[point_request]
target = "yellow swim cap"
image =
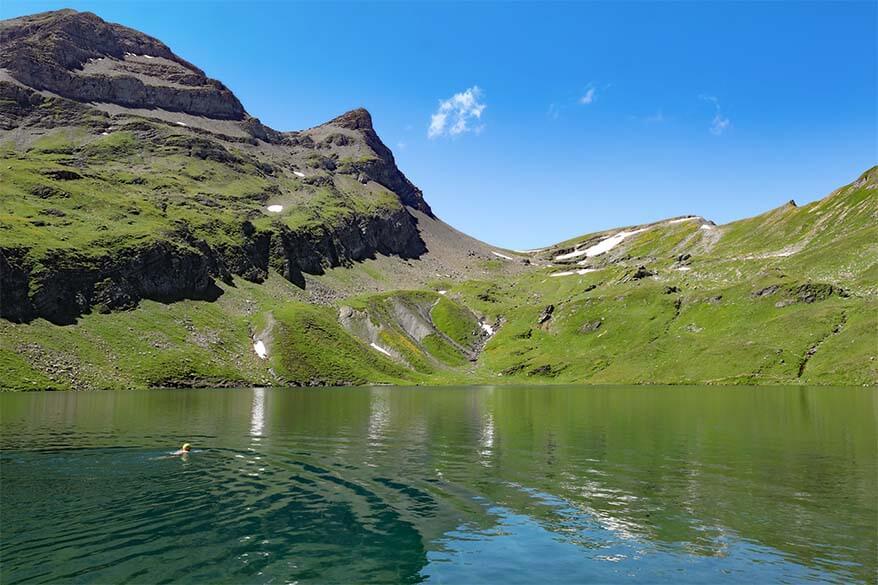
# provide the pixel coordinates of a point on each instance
(186, 446)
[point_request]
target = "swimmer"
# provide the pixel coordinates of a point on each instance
(182, 451)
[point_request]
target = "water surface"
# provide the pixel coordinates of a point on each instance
(443, 485)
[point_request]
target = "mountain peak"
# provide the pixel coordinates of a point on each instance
(72, 38)
(358, 119)
(80, 56)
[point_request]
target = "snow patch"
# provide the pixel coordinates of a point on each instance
(259, 348)
(105, 133)
(499, 255)
(707, 226)
(534, 251)
(178, 123)
(682, 219)
(486, 328)
(381, 349)
(275, 208)
(581, 271)
(149, 57)
(442, 292)
(601, 247)
(684, 268)
(299, 174)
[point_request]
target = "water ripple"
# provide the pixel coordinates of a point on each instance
(410, 486)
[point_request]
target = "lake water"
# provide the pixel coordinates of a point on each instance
(444, 485)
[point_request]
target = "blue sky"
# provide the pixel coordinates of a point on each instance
(590, 115)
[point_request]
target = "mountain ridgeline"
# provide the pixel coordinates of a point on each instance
(153, 233)
(151, 236)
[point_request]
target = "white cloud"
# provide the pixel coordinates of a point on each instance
(589, 96)
(456, 114)
(554, 111)
(720, 123)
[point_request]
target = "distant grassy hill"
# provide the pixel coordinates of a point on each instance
(152, 233)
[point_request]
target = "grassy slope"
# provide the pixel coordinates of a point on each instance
(195, 343)
(453, 332)
(700, 326)
(645, 338)
(142, 184)
(706, 325)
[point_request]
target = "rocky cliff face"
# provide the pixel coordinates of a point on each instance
(198, 195)
(81, 57)
(380, 168)
(62, 286)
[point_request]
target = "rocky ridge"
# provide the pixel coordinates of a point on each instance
(61, 69)
(79, 56)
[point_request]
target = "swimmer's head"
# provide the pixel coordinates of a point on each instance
(186, 447)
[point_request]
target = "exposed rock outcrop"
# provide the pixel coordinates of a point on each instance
(310, 252)
(590, 326)
(65, 285)
(546, 314)
(381, 167)
(79, 56)
(641, 273)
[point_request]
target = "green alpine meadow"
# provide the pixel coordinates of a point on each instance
(166, 238)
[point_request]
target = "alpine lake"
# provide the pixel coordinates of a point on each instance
(504, 484)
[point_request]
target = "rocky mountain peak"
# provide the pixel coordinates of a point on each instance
(79, 56)
(359, 119)
(369, 158)
(71, 38)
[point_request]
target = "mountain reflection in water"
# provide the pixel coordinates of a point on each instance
(490, 484)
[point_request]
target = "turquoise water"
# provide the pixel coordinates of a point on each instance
(443, 485)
